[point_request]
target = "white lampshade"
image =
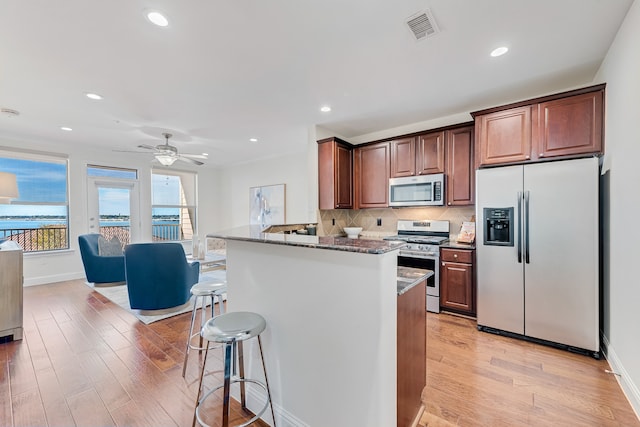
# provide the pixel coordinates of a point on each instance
(8, 187)
(165, 159)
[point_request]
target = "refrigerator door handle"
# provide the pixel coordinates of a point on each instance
(526, 227)
(519, 234)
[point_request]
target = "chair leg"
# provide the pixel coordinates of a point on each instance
(266, 381)
(204, 363)
(186, 351)
(243, 399)
(203, 316)
(227, 385)
(221, 309)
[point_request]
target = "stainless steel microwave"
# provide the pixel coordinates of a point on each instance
(422, 190)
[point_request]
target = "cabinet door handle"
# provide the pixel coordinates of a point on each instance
(455, 255)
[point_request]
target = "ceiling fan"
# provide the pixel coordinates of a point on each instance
(167, 154)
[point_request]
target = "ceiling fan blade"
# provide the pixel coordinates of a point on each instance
(195, 156)
(130, 151)
(148, 147)
(188, 160)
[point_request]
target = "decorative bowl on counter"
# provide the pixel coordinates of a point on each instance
(352, 232)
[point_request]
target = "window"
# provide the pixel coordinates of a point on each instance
(39, 218)
(113, 199)
(174, 205)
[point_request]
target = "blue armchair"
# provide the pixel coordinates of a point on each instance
(158, 275)
(99, 269)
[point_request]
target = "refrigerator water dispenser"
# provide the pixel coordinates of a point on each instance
(498, 230)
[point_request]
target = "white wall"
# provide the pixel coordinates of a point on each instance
(40, 268)
(296, 170)
(621, 71)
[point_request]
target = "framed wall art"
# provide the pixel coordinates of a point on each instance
(267, 205)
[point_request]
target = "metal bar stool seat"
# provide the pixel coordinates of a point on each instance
(230, 330)
(203, 293)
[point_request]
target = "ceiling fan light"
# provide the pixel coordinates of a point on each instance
(166, 160)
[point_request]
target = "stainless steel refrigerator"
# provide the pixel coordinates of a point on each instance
(537, 252)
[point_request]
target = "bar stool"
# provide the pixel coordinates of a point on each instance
(230, 330)
(203, 292)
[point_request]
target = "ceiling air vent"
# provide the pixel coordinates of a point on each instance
(422, 25)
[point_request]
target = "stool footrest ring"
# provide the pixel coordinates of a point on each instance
(196, 347)
(233, 381)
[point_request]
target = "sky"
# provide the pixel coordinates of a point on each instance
(46, 182)
(43, 182)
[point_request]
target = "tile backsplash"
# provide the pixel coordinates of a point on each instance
(333, 221)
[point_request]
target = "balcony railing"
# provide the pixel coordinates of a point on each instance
(51, 238)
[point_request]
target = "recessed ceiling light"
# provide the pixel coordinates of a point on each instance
(325, 109)
(66, 128)
(157, 18)
(253, 139)
(93, 96)
(499, 51)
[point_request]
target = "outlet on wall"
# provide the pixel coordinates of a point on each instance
(333, 221)
(379, 222)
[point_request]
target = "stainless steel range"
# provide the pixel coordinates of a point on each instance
(422, 251)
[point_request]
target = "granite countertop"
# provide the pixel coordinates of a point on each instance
(336, 243)
(455, 245)
(409, 277)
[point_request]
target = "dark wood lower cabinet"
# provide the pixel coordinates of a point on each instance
(457, 281)
(411, 352)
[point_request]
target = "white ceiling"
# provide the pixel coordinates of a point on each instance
(227, 71)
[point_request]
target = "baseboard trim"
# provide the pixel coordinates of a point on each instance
(255, 400)
(629, 388)
(45, 280)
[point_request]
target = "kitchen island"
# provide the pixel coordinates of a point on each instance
(331, 309)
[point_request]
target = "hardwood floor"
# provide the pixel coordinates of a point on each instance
(84, 361)
(480, 379)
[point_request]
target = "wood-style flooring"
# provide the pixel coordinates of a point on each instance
(480, 379)
(85, 361)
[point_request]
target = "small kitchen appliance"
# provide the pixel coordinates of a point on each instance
(423, 239)
(421, 190)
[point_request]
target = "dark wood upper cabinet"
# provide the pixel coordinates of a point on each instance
(372, 169)
(335, 174)
(418, 155)
(570, 125)
(430, 153)
(504, 136)
(567, 124)
(460, 170)
(403, 157)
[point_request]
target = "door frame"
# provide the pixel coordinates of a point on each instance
(93, 217)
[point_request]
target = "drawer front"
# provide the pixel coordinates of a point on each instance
(456, 255)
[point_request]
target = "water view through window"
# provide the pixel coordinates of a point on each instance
(38, 218)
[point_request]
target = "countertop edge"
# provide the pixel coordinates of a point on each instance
(336, 243)
(409, 277)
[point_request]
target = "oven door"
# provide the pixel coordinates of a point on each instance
(427, 262)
